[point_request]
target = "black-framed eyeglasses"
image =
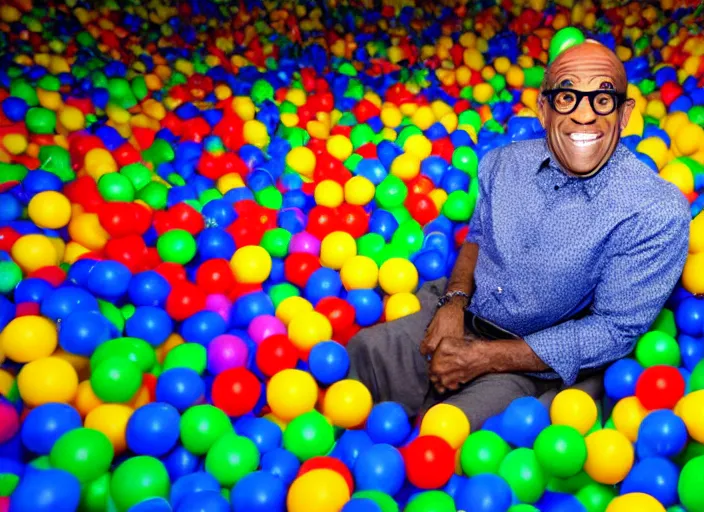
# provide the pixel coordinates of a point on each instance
(566, 101)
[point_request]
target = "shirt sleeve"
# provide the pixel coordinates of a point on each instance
(474, 235)
(648, 253)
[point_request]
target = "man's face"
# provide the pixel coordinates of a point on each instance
(583, 140)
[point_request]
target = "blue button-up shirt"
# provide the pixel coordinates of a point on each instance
(578, 267)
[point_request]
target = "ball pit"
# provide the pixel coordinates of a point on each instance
(202, 201)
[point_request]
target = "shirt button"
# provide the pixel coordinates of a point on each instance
(500, 290)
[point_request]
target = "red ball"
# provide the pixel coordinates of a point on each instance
(338, 311)
(184, 300)
(421, 208)
(236, 391)
(184, 216)
(215, 276)
(130, 250)
(322, 220)
(353, 219)
(172, 272)
(430, 462)
(276, 353)
(245, 231)
(660, 387)
(331, 463)
(299, 266)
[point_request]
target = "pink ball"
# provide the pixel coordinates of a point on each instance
(4, 504)
(264, 326)
(304, 242)
(219, 304)
(226, 351)
(9, 422)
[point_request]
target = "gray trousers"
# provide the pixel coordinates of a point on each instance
(386, 358)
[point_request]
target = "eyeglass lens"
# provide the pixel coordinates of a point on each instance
(566, 101)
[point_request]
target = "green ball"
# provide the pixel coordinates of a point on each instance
(690, 485)
(408, 237)
(665, 322)
(95, 495)
(408, 131)
(465, 159)
(371, 245)
(114, 187)
(116, 379)
(20, 88)
(696, 380)
(139, 87)
(353, 161)
(361, 134)
(8, 484)
(472, 118)
(42, 462)
(565, 38)
(270, 197)
(431, 501)
(201, 426)
(309, 435)
(138, 174)
(657, 348)
(275, 242)
(533, 77)
(522, 471)
(10, 276)
(136, 350)
(282, 291)
(262, 91)
(523, 507)
(691, 451)
(596, 497)
(41, 121)
(458, 206)
(230, 458)
(187, 355)
(482, 452)
(391, 251)
(138, 479)
(385, 502)
(570, 485)
(113, 314)
(176, 246)
(57, 160)
(696, 115)
(83, 452)
(560, 450)
(155, 195)
(401, 214)
(159, 152)
(391, 192)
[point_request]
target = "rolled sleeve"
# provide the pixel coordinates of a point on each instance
(647, 255)
(474, 235)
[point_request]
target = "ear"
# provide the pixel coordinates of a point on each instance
(541, 112)
(626, 112)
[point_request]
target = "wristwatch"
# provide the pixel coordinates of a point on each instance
(449, 296)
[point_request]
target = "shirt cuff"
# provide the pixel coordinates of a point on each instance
(558, 348)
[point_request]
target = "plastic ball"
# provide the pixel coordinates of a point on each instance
(226, 351)
(430, 462)
(359, 272)
(153, 429)
(84, 452)
(190, 484)
(309, 435)
(116, 379)
(46, 491)
(379, 468)
(236, 391)
(660, 387)
(635, 501)
(137, 479)
(347, 403)
(574, 408)
(691, 411)
(398, 275)
(561, 450)
(320, 490)
(291, 393)
(111, 420)
(564, 39)
(32, 252)
(201, 426)
(309, 329)
(400, 305)
(230, 458)
(656, 477)
(621, 377)
(259, 491)
(482, 452)
(50, 210)
(446, 422)
(523, 420)
(282, 464)
(661, 434)
(336, 248)
(609, 456)
(45, 424)
(690, 484)
(251, 264)
(627, 416)
(485, 493)
(28, 338)
(49, 379)
(521, 469)
(656, 348)
(328, 362)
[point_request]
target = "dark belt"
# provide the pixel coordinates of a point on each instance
(485, 328)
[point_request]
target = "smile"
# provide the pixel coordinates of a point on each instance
(582, 139)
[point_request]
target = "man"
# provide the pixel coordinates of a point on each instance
(573, 248)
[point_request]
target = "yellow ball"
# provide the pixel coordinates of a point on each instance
(359, 272)
(72, 118)
(391, 116)
(449, 121)
(635, 125)
(406, 166)
(448, 422)
(656, 149)
(50, 379)
(99, 161)
(347, 403)
(677, 173)
(515, 77)
(418, 145)
(329, 193)
(483, 92)
(502, 65)
(28, 338)
(336, 248)
(609, 456)
(635, 501)
(296, 96)
(673, 123)
(291, 393)
(401, 304)
(339, 146)
(423, 118)
(85, 229)
(309, 329)
(693, 274)
(85, 400)
(251, 264)
(691, 410)
(696, 234)
(473, 59)
(255, 133)
(319, 490)
(15, 143)
(291, 308)
(359, 190)
(32, 252)
(228, 182)
(50, 209)
(628, 414)
(574, 408)
(244, 107)
(656, 109)
(689, 139)
(111, 420)
(302, 160)
(398, 275)
(6, 382)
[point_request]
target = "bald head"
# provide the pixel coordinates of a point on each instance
(591, 58)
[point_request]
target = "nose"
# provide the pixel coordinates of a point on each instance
(583, 115)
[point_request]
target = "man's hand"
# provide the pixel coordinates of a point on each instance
(457, 361)
(448, 322)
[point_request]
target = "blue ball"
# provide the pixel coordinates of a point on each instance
(215, 243)
(50, 490)
(45, 424)
(367, 305)
(192, 483)
(661, 434)
(350, 445)
(203, 501)
(259, 492)
(265, 434)
(219, 213)
(180, 462)
(153, 429)
(148, 289)
(292, 220)
(430, 264)
(324, 282)
(10, 208)
(109, 279)
(690, 317)
(380, 468)
(151, 505)
(621, 377)
(328, 362)
(434, 167)
(383, 223)
(484, 493)
(282, 464)
(453, 486)
(559, 502)
(361, 505)
(180, 387)
(82, 331)
(65, 300)
(14, 109)
(32, 290)
(249, 306)
(372, 169)
(41, 181)
(657, 477)
(523, 420)
(203, 327)
(388, 423)
(692, 350)
(149, 323)
(80, 271)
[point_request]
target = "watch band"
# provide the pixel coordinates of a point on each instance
(449, 296)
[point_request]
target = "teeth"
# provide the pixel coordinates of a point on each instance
(584, 139)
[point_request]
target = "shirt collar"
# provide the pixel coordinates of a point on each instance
(557, 177)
